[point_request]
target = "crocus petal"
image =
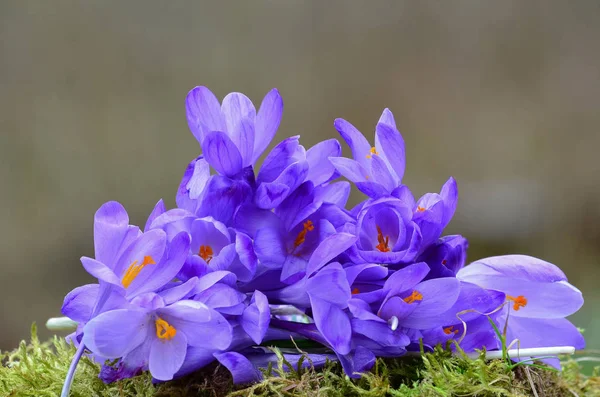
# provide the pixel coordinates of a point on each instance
(255, 319)
(271, 194)
(195, 358)
(283, 154)
(223, 298)
(203, 326)
(267, 122)
(152, 243)
(192, 184)
(117, 332)
(361, 360)
(166, 270)
(223, 196)
(335, 193)
(536, 332)
(350, 169)
(222, 154)
(244, 248)
(159, 209)
(212, 278)
(110, 227)
(320, 169)
(269, 248)
(389, 142)
(438, 296)
(515, 266)
(236, 107)
(249, 219)
(330, 285)
(240, 367)
(333, 323)
(381, 174)
(328, 249)
(387, 117)
(405, 278)
(79, 303)
(404, 194)
(471, 303)
(293, 269)
(449, 194)
(166, 357)
(380, 332)
(178, 292)
(355, 139)
(203, 113)
(100, 271)
(396, 307)
(362, 311)
(372, 189)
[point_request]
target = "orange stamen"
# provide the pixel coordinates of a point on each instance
(420, 209)
(444, 262)
(206, 253)
(414, 297)
(520, 301)
(134, 269)
(164, 330)
(301, 237)
(450, 330)
(355, 291)
(372, 152)
(383, 242)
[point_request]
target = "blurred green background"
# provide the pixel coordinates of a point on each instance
(502, 95)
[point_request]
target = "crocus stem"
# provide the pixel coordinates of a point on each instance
(534, 351)
(69, 379)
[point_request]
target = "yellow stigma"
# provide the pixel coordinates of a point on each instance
(301, 237)
(520, 301)
(134, 269)
(164, 330)
(383, 241)
(206, 253)
(372, 152)
(413, 297)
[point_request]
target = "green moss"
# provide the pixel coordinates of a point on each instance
(38, 369)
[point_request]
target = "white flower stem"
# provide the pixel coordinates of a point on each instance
(61, 324)
(519, 353)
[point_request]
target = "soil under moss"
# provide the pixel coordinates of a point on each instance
(38, 369)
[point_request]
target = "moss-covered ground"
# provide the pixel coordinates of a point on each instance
(38, 369)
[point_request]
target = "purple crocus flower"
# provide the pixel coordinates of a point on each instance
(157, 333)
(376, 170)
(232, 134)
(446, 256)
(434, 211)
(387, 233)
(538, 296)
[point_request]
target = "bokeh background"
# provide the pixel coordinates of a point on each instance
(502, 95)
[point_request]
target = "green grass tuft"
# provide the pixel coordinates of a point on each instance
(38, 369)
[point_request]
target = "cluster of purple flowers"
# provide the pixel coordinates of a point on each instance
(216, 277)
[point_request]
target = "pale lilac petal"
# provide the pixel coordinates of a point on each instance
(536, 332)
(212, 278)
(178, 292)
(167, 356)
(362, 310)
(405, 278)
(330, 285)
(240, 367)
(387, 118)
(267, 122)
(355, 139)
(328, 249)
(164, 271)
(159, 209)
(100, 271)
(350, 169)
(79, 303)
(372, 189)
(381, 174)
(152, 243)
(203, 326)
(404, 194)
(271, 194)
(255, 319)
(283, 154)
(236, 107)
(293, 269)
(449, 194)
(115, 333)
(335, 193)
(111, 223)
(203, 113)
(320, 169)
(438, 296)
(389, 142)
(244, 248)
(249, 219)
(333, 323)
(222, 154)
(269, 248)
(515, 266)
